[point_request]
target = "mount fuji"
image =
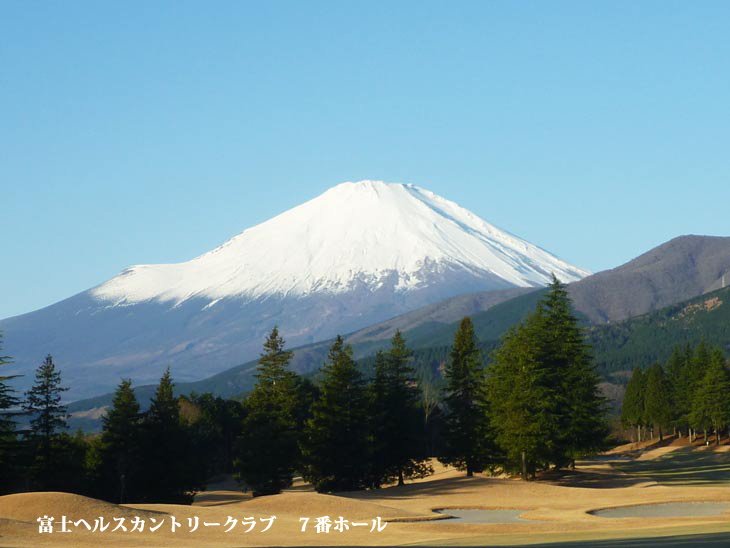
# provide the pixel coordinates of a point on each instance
(357, 254)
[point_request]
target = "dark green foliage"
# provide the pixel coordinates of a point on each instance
(69, 458)
(48, 418)
(397, 429)
(523, 407)
(676, 371)
(711, 402)
(378, 423)
(430, 383)
(690, 392)
(214, 431)
(581, 407)
(632, 411)
(121, 469)
(168, 470)
(467, 434)
(268, 448)
(652, 337)
(336, 448)
(657, 399)
(543, 393)
(9, 444)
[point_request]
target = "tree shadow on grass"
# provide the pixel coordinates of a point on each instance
(683, 466)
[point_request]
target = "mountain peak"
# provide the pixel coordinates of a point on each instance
(364, 234)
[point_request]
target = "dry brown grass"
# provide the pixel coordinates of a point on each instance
(558, 507)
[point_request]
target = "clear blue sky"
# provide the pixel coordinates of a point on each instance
(143, 132)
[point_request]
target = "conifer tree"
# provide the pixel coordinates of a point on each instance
(377, 392)
(632, 410)
(697, 365)
(121, 438)
(48, 418)
(521, 393)
(711, 405)
(268, 449)
(579, 403)
(467, 434)
(9, 445)
(398, 449)
(657, 403)
(336, 444)
(675, 371)
(168, 473)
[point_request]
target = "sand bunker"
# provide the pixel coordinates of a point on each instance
(472, 515)
(665, 510)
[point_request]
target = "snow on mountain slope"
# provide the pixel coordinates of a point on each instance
(353, 234)
(359, 254)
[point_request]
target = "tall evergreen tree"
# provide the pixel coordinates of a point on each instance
(580, 404)
(657, 402)
(675, 371)
(546, 406)
(169, 474)
(521, 393)
(711, 405)
(336, 444)
(377, 392)
(467, 434)
(9, 445)
(399, 451)
(268, 449)
(632, 410)
(121, 438)
(48, 418)
(697, 365)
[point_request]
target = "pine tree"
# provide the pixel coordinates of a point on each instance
(580, 404)
(657, 403)
(711, 405)
(48, 418)
(522, 398)
(268, 449)
(377, 392)
(398, 450)
(336, 443)
(121, 438)
(632, 410)
(167, 472)
(697, 366)
(675, 374)
(467, 435)
(9, 445)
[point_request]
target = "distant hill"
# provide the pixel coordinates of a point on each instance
(644, 340)
(675, 271)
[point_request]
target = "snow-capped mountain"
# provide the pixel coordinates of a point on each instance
(357, 254)
(355, 233)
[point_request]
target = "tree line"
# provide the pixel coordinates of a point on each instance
(161, 455)
(535, 406)
(689, 394)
